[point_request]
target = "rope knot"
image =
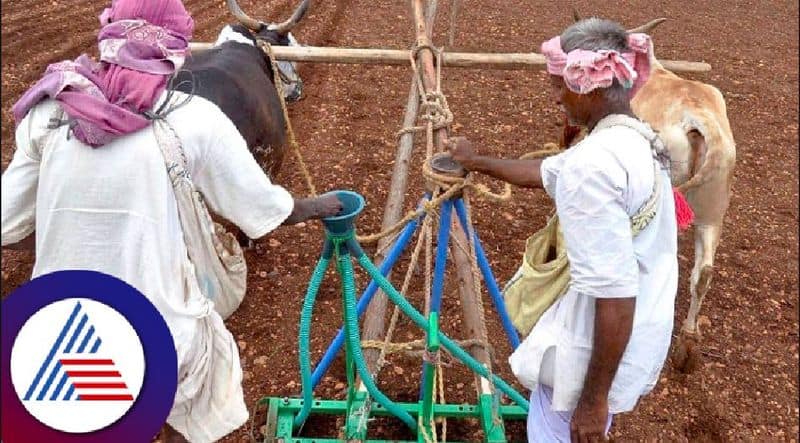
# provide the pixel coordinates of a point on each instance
(436, 110)
(432, 357)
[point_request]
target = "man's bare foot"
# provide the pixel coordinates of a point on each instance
(170, 435)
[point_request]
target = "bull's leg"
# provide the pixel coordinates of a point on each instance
(270, 158)
(706, 240)
(275, 161)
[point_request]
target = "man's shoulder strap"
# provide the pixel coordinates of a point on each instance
(657, 147)
(647, 212)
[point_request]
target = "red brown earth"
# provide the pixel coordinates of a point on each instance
(746, 386)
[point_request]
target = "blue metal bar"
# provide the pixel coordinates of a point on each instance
(441, 255)
(391, 258)
(488, 276)
(445, 216)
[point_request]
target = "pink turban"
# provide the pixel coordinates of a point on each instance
(142, 43)
(585, 71)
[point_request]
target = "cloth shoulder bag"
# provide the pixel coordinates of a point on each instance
(218, 259)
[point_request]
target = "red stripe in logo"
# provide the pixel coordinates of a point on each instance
(100, 385)
(93, 374)
(98, 397)
(73, 361)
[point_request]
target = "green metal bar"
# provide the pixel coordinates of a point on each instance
(430, 377)
(285, 422)
(285, 409)
(339, 407)
(333, 440)
(358, 414)
(271, 427)
(493, 428)
(451, 346)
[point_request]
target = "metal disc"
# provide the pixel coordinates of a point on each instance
(444, 164)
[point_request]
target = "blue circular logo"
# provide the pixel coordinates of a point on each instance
(85, 358)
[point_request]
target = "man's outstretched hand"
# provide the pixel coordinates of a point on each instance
(327, 206)
(314, 208)
(524, 173)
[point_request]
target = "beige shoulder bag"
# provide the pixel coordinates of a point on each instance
(217, 258)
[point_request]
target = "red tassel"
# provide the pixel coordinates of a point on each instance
(683, 212)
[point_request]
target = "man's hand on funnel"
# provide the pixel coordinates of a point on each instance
(314, 208)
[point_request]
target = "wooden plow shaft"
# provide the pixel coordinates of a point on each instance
(461, 260)
(374, 324)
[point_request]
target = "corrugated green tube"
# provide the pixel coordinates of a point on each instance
(305, 331)
(448, 344)
(354, 340)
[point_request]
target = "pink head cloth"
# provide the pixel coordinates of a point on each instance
(585, 71)
(142, 43)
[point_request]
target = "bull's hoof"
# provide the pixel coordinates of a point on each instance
(687, 357)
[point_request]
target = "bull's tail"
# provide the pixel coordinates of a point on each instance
(708, 141)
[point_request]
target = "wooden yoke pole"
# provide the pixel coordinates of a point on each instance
(488, 60)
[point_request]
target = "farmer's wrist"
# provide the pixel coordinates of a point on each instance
(594, 395)
(302, 211)
(474, 162)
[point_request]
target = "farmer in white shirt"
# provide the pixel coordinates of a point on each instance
(95, 195)
(602, 345)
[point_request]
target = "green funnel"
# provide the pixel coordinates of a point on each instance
(344, 221)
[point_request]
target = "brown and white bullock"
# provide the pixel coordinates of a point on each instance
(691, 118)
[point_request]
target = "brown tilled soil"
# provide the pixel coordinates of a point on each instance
(746, 386)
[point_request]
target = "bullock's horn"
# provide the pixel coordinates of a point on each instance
(285, 27)
(245, 19)
(647, 27)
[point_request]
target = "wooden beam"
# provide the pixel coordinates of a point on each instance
(376, 311)
(475, 325)
(374, 323)
(504, 61)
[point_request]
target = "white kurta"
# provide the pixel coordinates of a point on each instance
(597, 186)
(112, 209)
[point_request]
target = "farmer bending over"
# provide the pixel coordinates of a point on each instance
(88, 177)
(602, 345)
